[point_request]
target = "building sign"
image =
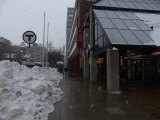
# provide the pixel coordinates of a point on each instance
(133, 53)
(157, 49)
(138, 52)
(29, 37)
(79, 37)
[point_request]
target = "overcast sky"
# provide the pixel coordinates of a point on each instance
(18, 16)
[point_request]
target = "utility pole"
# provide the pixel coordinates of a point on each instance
(47, 46)
(43, 41)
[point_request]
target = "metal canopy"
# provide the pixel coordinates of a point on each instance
(123, 28)
(143, 5)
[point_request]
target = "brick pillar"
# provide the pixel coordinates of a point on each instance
(93, 74)
(112, 70)
(85, 43)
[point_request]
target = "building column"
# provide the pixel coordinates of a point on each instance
(129, 69)
(86, 68)
(93, 74)
(85, 43)
(112, 70)
(143, 72)
(81, 65)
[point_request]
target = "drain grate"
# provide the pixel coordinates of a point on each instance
(112, 111)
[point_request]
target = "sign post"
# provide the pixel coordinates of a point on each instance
(29, 37)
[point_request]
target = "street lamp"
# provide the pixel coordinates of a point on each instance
(47, 46)
(43, 41)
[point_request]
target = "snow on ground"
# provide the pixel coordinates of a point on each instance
(152, 20)
(28, 93)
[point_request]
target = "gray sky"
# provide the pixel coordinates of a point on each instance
(18, 16)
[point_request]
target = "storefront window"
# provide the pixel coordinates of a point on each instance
(99, 32)
(95, 21)
(105, 42)
(99, 38)
(96, 45)
(95, 32)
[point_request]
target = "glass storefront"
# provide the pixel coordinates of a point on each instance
(133, 69)
(146, 70)
(98, 37)
(151, 70)
(100, 67)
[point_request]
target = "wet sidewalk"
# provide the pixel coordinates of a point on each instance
(89, 101)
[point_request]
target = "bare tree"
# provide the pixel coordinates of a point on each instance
(62, 49)
(5, 47)
(55, 55)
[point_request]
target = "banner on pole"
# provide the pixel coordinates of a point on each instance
(79, 37)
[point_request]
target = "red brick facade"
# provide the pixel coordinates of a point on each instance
(82, 8)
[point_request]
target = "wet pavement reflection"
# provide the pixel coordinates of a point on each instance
(90, 101)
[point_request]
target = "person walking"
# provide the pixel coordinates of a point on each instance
(66, 72)
(81, 72)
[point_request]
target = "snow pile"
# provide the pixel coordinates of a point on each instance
(152, 20)
(27, 93)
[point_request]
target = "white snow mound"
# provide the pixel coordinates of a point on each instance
(28, 93)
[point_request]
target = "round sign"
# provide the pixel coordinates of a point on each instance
(29, 37)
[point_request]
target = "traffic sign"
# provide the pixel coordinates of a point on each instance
(29, 37)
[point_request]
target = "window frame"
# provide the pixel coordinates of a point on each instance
(91, 0)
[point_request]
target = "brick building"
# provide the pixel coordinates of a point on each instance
(70, 16)
(74, 44)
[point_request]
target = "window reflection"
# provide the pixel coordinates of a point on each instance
(100, 42)
(99, 32)
(99, 38)
(96, 45)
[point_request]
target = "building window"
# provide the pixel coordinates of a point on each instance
(96, 32)
(99, 32)
(99, 38)
(91, 0)
(100, 42)
(96, 45)
(70, 15)
(71, 10)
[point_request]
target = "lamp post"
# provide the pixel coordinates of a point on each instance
(43, 41)
(47, 46)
